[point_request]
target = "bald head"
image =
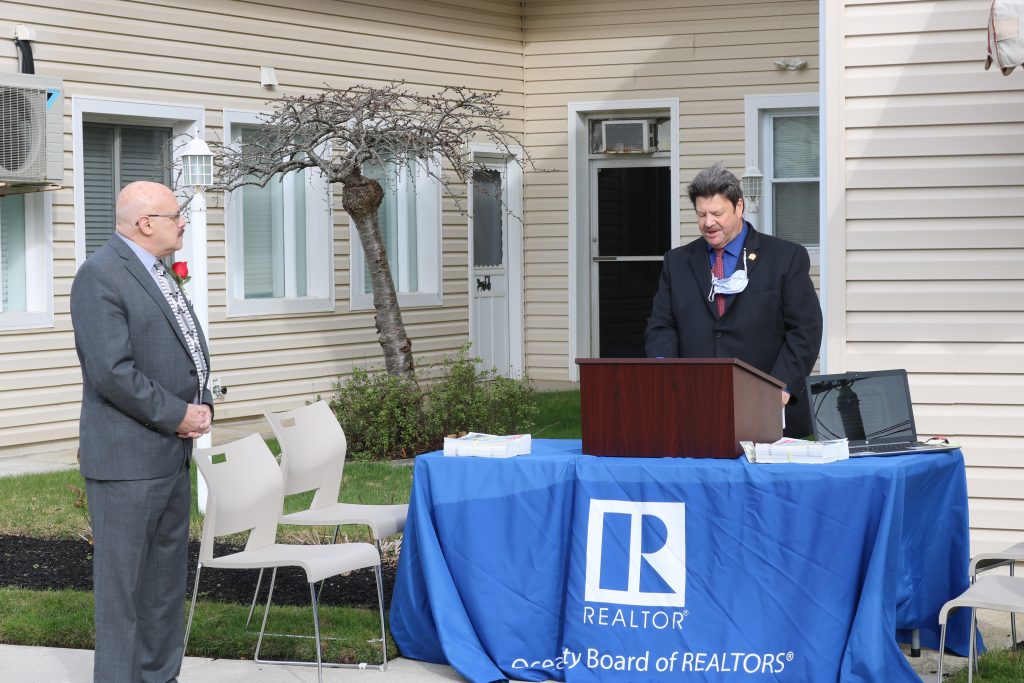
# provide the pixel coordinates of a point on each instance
(147, 213)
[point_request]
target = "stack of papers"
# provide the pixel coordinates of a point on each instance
(797, 450)
(488, 445)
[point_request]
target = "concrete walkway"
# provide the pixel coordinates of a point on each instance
(55, 665)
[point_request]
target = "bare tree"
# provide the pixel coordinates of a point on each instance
(338, 131)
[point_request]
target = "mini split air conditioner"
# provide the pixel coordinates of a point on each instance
(31, 130)
(629, 136)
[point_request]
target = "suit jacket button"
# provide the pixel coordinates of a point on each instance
(192, 372)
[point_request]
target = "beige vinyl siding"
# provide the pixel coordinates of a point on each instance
(934, 198)
(708, 56)
(209, 56)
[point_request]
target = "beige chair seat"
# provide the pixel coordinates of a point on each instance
(318, 561)
(1002, 593)
(383, 520)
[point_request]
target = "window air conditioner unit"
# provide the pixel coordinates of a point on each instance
(632, 136)
(31, 130)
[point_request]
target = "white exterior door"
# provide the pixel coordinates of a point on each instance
(489, 281)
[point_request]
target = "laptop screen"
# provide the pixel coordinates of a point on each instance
(864, 407)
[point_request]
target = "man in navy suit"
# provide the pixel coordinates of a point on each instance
(144, 398)
(735, 293)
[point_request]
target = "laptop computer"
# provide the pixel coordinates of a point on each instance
(872, 410)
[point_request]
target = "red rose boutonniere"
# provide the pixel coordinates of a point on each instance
(179, 269)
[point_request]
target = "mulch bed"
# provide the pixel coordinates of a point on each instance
(38, 564)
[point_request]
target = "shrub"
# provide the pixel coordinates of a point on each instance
(385, 417)
(381, 415)
(464, 399)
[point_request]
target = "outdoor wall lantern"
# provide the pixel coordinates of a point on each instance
(752, 184)
(197, 164)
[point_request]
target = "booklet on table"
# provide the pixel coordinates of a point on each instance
(488, 445)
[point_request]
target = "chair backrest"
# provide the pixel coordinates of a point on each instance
(313, 447)
(246, 492)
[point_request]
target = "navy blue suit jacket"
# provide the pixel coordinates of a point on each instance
(774, 324)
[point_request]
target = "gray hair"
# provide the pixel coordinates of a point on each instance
(714, 180)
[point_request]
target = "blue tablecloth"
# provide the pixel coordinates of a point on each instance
(563, 566)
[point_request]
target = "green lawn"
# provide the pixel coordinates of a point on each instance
(559, 415)
(64, 619)
(44, 505)
(998, 666)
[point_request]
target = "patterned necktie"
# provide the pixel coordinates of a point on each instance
(719, 272)
(176, 300)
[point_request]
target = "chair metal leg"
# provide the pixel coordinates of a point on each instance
(313, 598)
(971, 654)
(942, 648)
(266, 611)
(380, 603)
(255, 595)
(915, 643)
(1013, 619)
(192, 610)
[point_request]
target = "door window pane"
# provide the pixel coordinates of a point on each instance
(626, 289)
(487, 219)
(633, 211)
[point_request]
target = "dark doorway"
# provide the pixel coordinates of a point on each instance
(633, 233)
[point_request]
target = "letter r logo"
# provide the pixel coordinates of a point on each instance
(636, 553)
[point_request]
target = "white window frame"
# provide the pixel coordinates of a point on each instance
(38, 311)
(758, 113)
(428, 245)
(319, 244)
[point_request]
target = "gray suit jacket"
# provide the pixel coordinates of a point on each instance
(137, 374)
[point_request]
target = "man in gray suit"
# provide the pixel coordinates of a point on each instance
(144, 398)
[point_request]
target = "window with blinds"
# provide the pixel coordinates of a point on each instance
(26, 261)
(275, 234)
(792, 176)
(13, 254)
(396, 219)
(113, 156)
(410, 224)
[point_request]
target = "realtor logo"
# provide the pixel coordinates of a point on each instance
(636, 553)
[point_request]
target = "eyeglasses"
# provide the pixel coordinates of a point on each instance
(174, 216)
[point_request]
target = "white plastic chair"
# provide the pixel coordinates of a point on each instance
(246, 493)
(1002, 593)
(313, 448)
(986, 561)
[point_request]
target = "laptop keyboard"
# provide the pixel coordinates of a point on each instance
(882, 448)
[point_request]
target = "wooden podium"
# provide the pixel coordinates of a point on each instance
(684, 407)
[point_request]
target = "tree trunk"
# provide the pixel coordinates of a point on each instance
(361, 197)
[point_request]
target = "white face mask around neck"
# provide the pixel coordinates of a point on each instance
(734, 284)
